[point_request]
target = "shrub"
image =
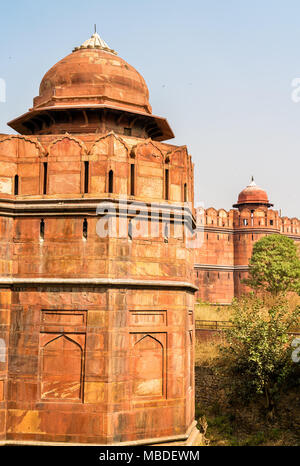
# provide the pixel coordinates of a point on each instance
(256, 356)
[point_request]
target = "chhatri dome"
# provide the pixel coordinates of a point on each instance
(91, 79)
(253, 196)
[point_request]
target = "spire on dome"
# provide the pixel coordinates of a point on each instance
(252, 182)
(95, 42)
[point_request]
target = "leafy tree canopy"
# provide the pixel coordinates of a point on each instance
(274, 265)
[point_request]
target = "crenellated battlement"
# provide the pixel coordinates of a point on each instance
(247, 219)
(94, 165)
(227, 239)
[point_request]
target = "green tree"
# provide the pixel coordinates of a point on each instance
(256, 355)
(274, 265)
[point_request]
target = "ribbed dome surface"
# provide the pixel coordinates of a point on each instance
(93, 75)
(254, 195)
(93, 89)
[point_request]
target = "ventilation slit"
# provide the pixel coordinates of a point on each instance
(45, 178)
(86, 177)
(85, 229)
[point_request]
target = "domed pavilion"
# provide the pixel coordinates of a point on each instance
(252, 197)
(97, 289)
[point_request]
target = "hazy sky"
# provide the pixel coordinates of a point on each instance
(220, 71)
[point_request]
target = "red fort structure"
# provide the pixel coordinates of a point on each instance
(227, 239)
(97, 277)
(97, 330)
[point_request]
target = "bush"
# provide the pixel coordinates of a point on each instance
(256, 356)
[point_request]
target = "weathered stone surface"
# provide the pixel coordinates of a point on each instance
(94, 363)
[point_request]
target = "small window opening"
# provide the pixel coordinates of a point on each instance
(132, 175)
(166, 184)
(185, 192)
(127, 131)
(45, 177)
(85, 229)
(111, 182)
(86, 177)
(130, 230)
(42, 229)
(16, 186)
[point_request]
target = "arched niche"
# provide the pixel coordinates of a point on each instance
(259, 218)
(20, 158)
(109, 146)
(109, 153)
(245, 218)
(66, 146)
(20, 146)
(222, 218)
(64, 166)
(211, 216)
(149, 171)
(179, 157)
(61, 369)
(148, 367)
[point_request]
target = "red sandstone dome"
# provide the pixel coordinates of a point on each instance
(253, 194)
(92, 84)
(93, 75)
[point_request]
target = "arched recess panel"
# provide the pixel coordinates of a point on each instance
(149, 365)
(61, 367)
(64, 166)
(149, 171)
(19, 156)
(109, 153)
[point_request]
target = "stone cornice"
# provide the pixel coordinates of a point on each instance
(224, 268)
(246, 230)
(237, 230)
(110, 282)
(46, 206)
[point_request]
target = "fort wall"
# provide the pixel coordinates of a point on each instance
(96, 331)
(221, 262)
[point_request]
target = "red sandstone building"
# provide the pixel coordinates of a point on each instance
(221, 262)
(96, 331)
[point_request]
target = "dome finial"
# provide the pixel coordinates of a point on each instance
(95, 42)
(252, 182)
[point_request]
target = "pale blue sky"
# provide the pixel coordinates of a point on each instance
(220, 71)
